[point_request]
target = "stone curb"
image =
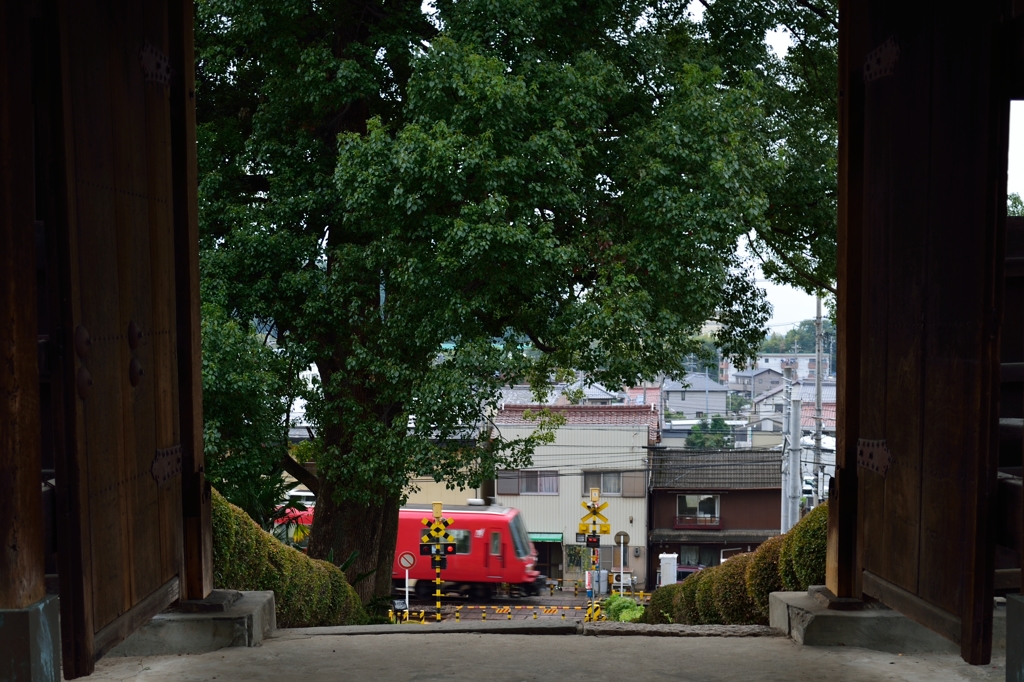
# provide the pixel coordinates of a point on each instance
(445, 627)
(613, 629)
(604, 629)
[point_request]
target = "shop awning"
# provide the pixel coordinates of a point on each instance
(545, 537)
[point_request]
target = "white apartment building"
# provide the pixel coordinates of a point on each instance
(599, 446)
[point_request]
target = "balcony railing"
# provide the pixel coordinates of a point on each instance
(693, 522)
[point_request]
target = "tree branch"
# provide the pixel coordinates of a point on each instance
(800, 272)
(542, 347)
(300, 473)
(819, 11)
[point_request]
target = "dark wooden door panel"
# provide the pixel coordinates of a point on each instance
(934, 171)
(126, 446)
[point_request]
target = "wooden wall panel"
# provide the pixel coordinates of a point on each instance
(934, 172)
(123, 285)
(21, 531)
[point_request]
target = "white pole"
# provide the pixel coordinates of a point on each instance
(622, 563)
(817, 404)
(796, 479)
(407, 588)
(786, 431)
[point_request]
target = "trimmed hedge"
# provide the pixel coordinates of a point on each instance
(307, 592)
(686, 601)
(809, 547)
(707, 609)
(787, 574)
(661, 609)
(763, 573)
(731, 598)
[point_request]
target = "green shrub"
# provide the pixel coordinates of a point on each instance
(787, 575)
(809, 547)
(307, 592)
(707, 609)
(622, 609)
(661, 608)
(686, 601)
(632, 614)
(731, 598)
(763, 573)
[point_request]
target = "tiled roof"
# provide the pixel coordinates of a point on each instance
(589, 414)
(694, 382)
(637, 395)
(715, 469)
(804, 390)
(828, 414)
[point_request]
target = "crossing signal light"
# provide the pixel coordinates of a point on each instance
(449, 548)
(426, 548)
(593, 541)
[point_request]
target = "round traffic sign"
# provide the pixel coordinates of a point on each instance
(622, 538)
(406, 560)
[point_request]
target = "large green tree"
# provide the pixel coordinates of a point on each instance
(796, 243)
(430, 207)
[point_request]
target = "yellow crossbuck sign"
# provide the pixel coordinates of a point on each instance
(437, 531)
(594, 513)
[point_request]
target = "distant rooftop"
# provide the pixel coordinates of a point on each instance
(715, 469)
(615, 415)
(694, 382)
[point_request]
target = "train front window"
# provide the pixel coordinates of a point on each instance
(520, 538)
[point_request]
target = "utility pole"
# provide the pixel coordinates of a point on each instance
(787, 471)
(796, 479)
(817, 402)
(707, 398)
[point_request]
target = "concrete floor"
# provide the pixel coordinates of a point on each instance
(518, 658)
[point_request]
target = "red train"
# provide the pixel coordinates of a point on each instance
(492, 547)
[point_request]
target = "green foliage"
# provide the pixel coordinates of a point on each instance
(307, 592)
(801, 337)
(797, 241)
(704, 597)
(763, 573)
(736, 402)
(686, 601)
(1014, 205)
(730, 592)
(623, 609)
(710, 434)
(809, 546)
(244, 434)
(787, 574)
(661, 608)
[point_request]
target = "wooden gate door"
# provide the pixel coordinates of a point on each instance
(924, 120)
(131, 424)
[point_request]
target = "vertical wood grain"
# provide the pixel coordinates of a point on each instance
(21, 528)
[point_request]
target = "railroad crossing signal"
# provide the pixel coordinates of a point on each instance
(594, 514)
(438, 544)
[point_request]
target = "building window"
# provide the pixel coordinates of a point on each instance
(697, 510)
(778, 408)
(538, 482)
(462, 540)
(610, 482)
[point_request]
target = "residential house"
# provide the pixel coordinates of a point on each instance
(706, 505)
(772, 403)
(754, 382)
(696, 396)
(803, 365)
(602, 446)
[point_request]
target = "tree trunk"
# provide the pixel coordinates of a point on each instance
(371, 530)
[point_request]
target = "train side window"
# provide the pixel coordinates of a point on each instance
(462, 540)
(495, 544)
